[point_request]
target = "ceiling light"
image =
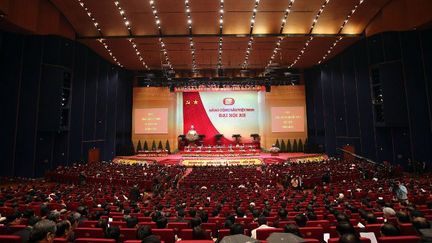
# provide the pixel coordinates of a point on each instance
(340, 30)
(100, 40)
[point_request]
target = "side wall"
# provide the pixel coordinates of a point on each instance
(340, 95)
(100, 105)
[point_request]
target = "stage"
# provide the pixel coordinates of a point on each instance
(180, 159)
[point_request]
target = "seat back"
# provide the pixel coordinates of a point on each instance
(263, 234)
(151, 224)
(195, 241)
(128, 234)
(325, 224)
(336, 240)
(376, 228)
(10, 239)
(166, 235)
(94, 240)
(177, 226)
(4, 230)
(310, 240)
(186, 234)
(121, 224)
(82, 232)
(407, 229)
(88, 223)
(399, 239)
(283, 223)
(60, 240)
(223, 233)
(312, 232)
(334, 234)
(210, 226)
(245, 221)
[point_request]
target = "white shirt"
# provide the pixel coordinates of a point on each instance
(263, 226)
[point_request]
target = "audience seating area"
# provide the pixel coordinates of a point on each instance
(175, 202)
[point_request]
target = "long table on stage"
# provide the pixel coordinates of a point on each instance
(221, 151)
(152, 153)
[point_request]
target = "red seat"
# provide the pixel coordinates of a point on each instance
(264, 233)
(325, 224)
(88, 223)
(312, 232)
(399, 239)
(246, 220)
(336, 240)
(253, 225)
(223, 233)
(5, 211)
(60, 240)
(128, 234)
(10, 239)
(308, 240)
(4, 230)
(136, 241)
(283, 223)
(376, 228)
(210, 226)
(195, 241)
(177, 226)
(167, 235)
(121, 224)
(118, 218)
(186, 234)
(151, 224)
(407, 229)
(89, 232)
(94, 240)
(334, 234)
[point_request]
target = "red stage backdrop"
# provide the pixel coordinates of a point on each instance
(224, 113)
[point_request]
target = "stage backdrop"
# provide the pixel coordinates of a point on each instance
(227, 113)
(160, 115)
(154, 116)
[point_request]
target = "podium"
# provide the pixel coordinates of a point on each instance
(93, 155)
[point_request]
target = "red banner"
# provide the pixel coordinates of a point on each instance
(194, 114)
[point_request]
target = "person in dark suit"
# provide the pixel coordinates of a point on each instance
(134, 193)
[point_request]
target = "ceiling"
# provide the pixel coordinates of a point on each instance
(195, 37)
(206, 30)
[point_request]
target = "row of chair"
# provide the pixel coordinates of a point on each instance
(388, 239)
